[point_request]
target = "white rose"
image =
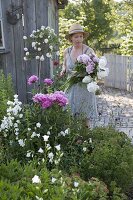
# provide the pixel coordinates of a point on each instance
(37, 57)
(87, 79)
(25, 49)
(24, 37)
(46, 40)
(27, 53)
(92, 87)
(48, 55)
(33, 44)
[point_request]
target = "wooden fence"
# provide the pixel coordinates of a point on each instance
(120, 72)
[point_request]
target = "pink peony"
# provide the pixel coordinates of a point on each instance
(83, 58)
(89, 68)
(32, 79)
(48, 81)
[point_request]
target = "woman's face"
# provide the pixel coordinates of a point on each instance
(77, 39)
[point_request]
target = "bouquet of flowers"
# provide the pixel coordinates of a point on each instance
(88, 69)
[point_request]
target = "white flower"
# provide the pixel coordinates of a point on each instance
(57, 53)
(37, 57)
(57, 147)
(50, 155)
(27, 53)
(28, 154)
(75, 184)
(48, 133)
(33, 31)
(38, 198)
(33, 135)
(24, 37)
(51, 47)
(87, 79)
(21, 115)
(38, 125)
(15, 125)
(42, 58)
(45, 191)
(33, 44)
(48, 146)
(103, 73)
(42, 27)
(40, 150)
(90, 140)
(25, 58)
(31, 35)
(36, 179)
(25, 49)
(92, 87)
(39, 49)
(53, 179)
(84, 149)
(29, 129)
(46, 40)
(21, 142)
(48, 55)
(102, 62)
(45, 137)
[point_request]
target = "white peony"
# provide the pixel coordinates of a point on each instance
(92, 87)
(86, 79)
(102, 62)
(102, 74)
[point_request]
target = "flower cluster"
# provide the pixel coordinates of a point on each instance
(41, 43)
(47, 100)
(88, 69)
(12, 120)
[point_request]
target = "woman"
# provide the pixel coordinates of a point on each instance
(81, 101)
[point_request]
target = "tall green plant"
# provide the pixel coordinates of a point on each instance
(6, 92)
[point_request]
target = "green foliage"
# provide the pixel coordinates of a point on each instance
(127, 45)
(51, 186)
(6, 92)
(107, 155)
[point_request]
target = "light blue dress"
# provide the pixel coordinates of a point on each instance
(81, 101)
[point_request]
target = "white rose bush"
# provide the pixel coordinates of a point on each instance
(40, 44)
(87, 71)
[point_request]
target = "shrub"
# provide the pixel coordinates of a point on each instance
(103, 153)
(33, 181)
(6, 92)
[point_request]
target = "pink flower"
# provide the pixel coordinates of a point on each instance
(48, 81)
(32, 79)
(38, 98)
(83, 58)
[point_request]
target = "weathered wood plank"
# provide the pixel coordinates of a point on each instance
(8, 59)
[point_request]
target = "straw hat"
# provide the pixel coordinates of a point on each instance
(75, 28)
